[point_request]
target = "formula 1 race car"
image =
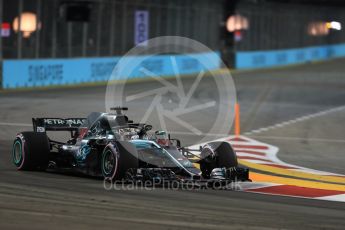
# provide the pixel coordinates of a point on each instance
(111, 146)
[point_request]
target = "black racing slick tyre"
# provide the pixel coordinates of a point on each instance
(217, 155)
(117, 159)
(30, 151)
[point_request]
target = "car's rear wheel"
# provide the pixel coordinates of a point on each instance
(30, 151)
(118, 159)
(217, 155)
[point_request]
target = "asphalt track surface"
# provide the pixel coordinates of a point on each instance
(34, 200)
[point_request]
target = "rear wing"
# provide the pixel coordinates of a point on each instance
(57, 124)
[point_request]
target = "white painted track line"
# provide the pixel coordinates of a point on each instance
(293, 121)
(298, 139)
(15, 124)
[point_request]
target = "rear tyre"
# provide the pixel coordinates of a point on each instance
(30, 151)
(217, 155)
(118, 159)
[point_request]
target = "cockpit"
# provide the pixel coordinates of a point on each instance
(109, 124)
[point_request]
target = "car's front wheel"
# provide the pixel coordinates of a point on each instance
(217, 155)
(117, 159)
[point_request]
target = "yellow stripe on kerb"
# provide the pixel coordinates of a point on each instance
(258, 177)
(286, 172)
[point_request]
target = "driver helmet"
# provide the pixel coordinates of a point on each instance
(162, 138)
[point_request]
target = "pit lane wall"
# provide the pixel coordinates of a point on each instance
(272, 58)
(52, 72)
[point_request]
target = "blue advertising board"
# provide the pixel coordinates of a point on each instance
(47, 72)
(141, 27)
(270, 58)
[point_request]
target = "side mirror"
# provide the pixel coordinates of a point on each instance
(175, 142)
(148, 127)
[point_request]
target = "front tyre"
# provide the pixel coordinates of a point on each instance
(217, 155)
(118, 159)
(30, 151)
(110, 159)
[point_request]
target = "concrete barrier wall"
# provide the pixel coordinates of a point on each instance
(271, 58)
(48, 72)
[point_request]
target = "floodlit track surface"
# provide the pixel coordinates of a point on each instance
(268, 99)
